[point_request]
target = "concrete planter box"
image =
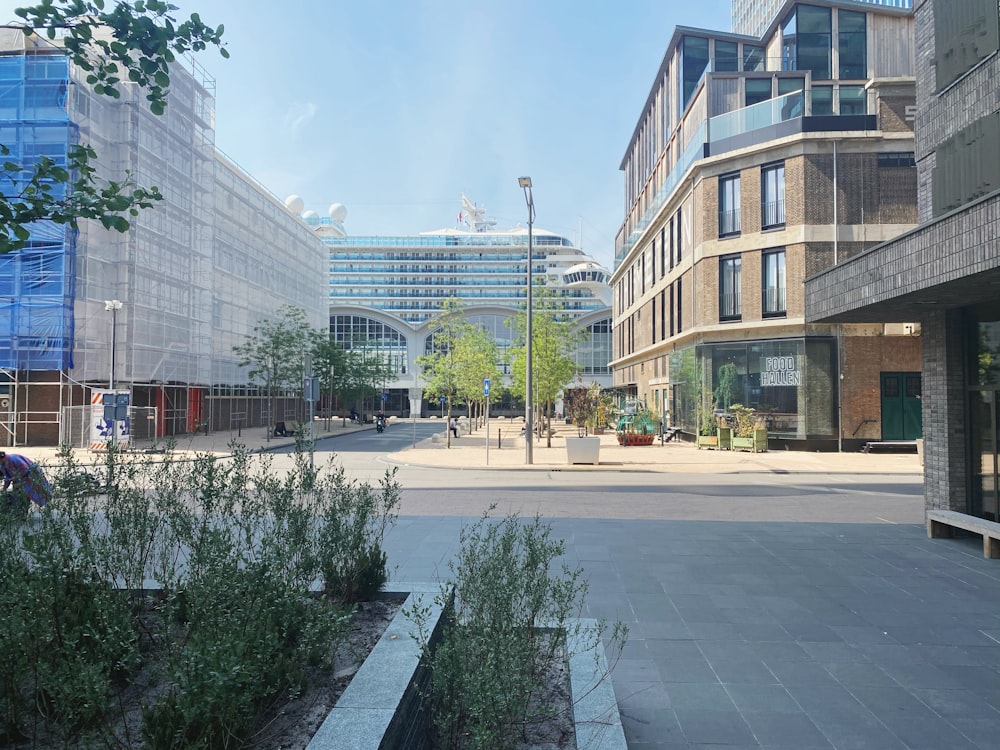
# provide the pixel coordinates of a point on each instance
(583, 450)
(381, 708)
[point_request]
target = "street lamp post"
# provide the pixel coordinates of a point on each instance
(113, 306)
(525, 184)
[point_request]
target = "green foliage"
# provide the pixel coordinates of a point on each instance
(144, 40)
(553, 341)
(511, 622)
(725, 388)
(747, 420)
(236, 551)
(274, 352)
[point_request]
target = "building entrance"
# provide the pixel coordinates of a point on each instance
(901, 406)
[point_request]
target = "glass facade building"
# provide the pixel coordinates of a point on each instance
(752, 17)
(385, 292)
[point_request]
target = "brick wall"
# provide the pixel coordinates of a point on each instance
(867, 354)
(944, 411)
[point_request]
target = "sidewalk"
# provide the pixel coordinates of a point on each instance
(507, 451)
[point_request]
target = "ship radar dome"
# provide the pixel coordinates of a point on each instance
(338, 212)
(294, 204)
(310, 215)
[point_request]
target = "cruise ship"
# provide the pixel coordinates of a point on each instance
(385, 291)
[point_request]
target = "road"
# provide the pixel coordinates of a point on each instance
(828, 498)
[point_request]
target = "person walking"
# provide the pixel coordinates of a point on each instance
(27, 477)
(453, 425)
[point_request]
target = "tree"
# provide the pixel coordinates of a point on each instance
(476, 362)
(135, 42)
(439, 368)
(552, 344)
(274, 353)
(331, 364)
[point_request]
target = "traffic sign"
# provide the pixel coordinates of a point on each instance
(486, 386)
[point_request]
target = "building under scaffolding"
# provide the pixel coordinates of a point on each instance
(194, 274)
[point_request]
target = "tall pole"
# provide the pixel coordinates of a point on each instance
(525, 184)
(113, 306)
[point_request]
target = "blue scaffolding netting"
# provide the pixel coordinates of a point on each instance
(37, 282)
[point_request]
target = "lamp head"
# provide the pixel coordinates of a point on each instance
(112, 304)
(524, 182)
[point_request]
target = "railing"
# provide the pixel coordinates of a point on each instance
(756, 116)
(774, 300)
(729, 222)
(772, 214)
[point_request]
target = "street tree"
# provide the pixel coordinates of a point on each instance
(331, 364)
(553, 341)
(132, 43)
(476, 362)
(439, 368)
(274, 354)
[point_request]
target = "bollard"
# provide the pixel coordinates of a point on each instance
(498, 439)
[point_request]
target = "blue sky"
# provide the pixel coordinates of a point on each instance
(396, 108)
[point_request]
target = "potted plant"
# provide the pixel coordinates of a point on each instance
(708, 428)
(582, 403)
(750, 434)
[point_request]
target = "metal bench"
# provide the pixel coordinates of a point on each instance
(942, 524)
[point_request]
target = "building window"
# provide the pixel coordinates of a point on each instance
(853, 45)
(757, 90)
(679, 236)
(730, 304)
(822, 100)
(694, 60)
(729, 205)
(773, 283)
(897, 159)
(726, 57)
(815, 41)
(753, 57)
(852, 100)
(772, 198)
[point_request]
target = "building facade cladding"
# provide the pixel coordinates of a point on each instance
(182, 271)
(385, 292)
(765, 194)
(752, 17)
(946, 273)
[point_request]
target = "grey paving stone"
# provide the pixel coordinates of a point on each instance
(776, 729)
(854, 674)
(699, 697)
(957, 704)
(766, 698)
(714, 727)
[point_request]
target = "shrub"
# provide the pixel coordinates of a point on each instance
(235, 550)
(512, 618)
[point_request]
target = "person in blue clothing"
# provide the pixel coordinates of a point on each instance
(27, 478)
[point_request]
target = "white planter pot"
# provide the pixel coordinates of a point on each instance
(583, 450)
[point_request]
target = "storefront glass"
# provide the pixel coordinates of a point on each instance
(791, 382)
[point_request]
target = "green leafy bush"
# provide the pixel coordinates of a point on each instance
(513, 615)
(235, 552)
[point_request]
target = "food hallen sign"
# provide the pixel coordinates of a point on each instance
(779, 371)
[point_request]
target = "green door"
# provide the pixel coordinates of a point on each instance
(901, 406)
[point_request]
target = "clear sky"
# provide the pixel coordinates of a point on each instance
(396, 108)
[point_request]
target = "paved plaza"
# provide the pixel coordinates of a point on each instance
(790, 634)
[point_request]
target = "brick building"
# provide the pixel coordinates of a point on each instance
(945, 274)
(756, 162)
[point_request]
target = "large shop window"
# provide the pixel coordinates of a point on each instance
(791, 383)
(730, 302)
(773, 283)
(772, 199)
(729, 205)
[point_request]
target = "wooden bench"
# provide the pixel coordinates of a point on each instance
(942, 524)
